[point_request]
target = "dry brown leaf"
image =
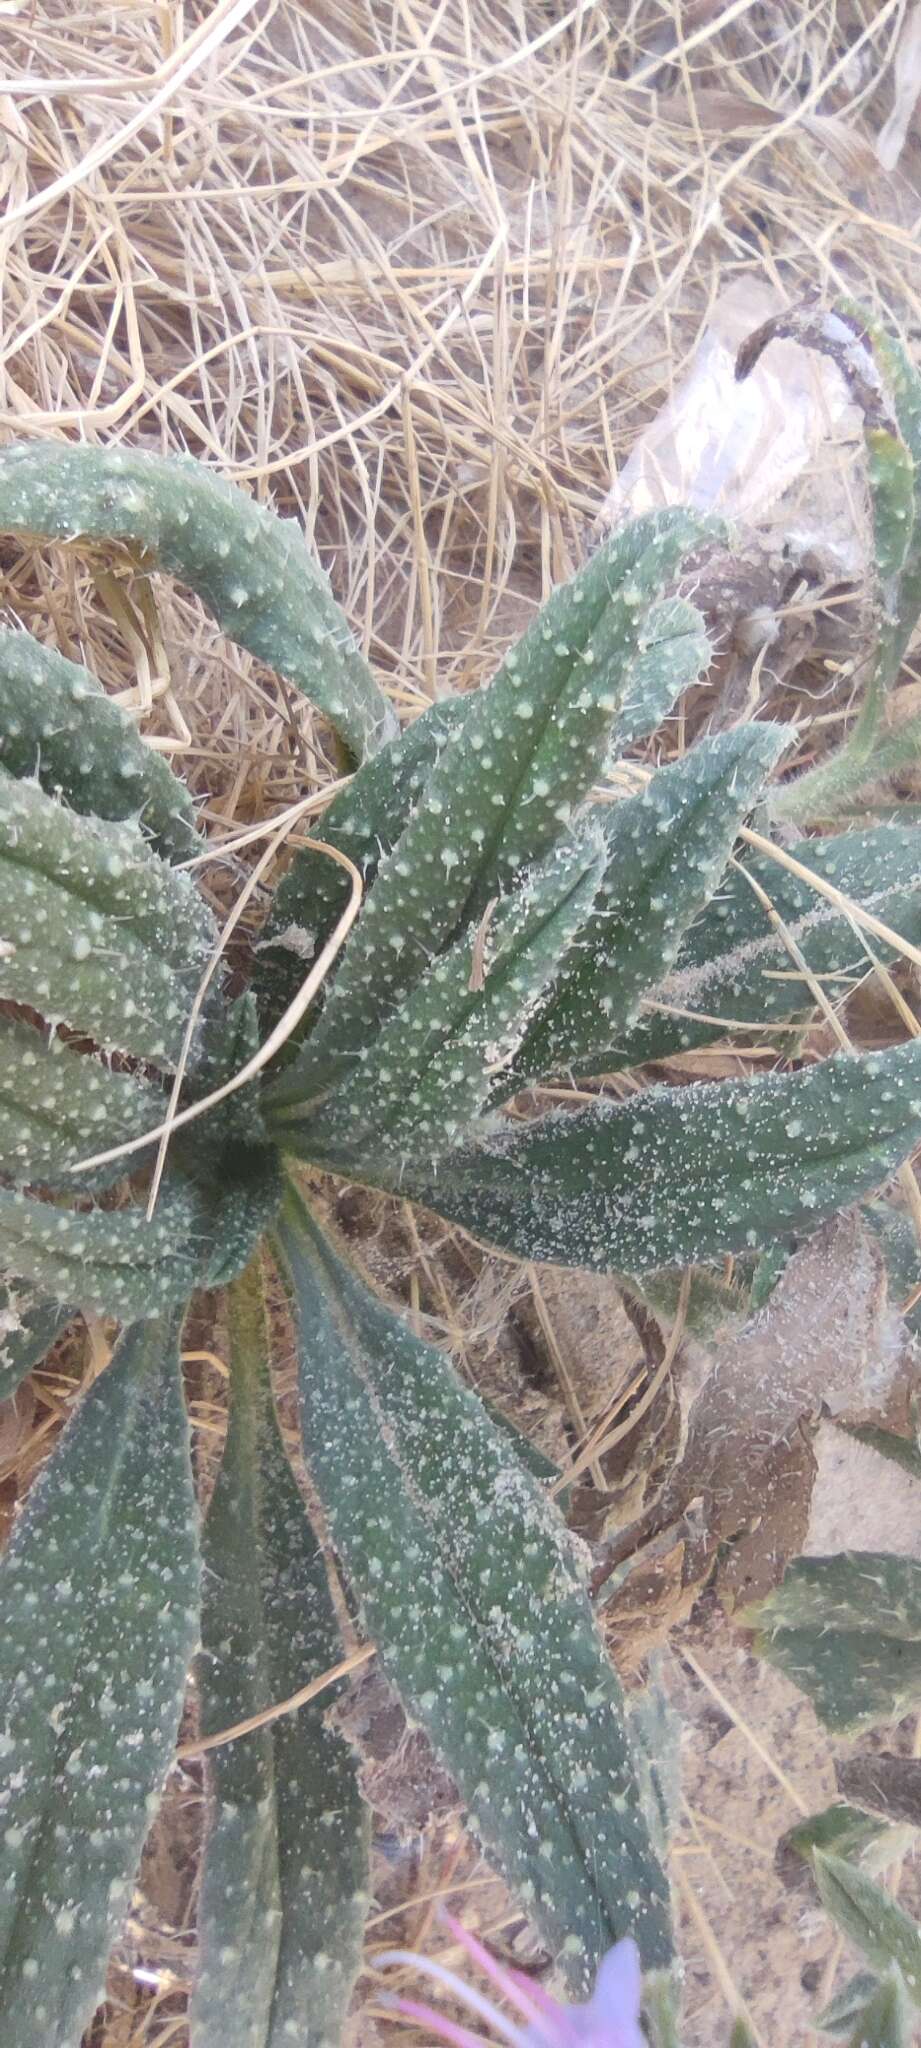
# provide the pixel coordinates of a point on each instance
(826, 1338)
(593, 1336)
(757, 1559)
(890, 1785)
(725, 113)
(649, 1604)
(399, 1774)
(16, 1418)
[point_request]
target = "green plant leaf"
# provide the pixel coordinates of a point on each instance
(57, 724)
(97, 932)
(899, 1448)
(845, 2009)
(903, 386)
(891, 477)
(229, 1038)
(251, 569)
(285, 1885)
(656, 1730)
(873, 2014)
(677, 1174)
(504, 790)
(886, 2020)
(847, 1631)
(871, 1918)
(99, 1621)
(846, 1831)
(112, 1260)
(666, 850)
(472, 1589)
(238, 1201)
(673, 652)
(732, 966)
(56, 1105)
(28, 1327)
(854, 1589)
(122, 1264)
(714, 1304)
(431, 1067)
(364, 822)
(771, 1264)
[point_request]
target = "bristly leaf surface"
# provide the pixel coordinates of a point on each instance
(364, 822)
(665, 852)
(871, 1918)
(252, 569)
(470, 1585)
(57, 724)
(432, 1066)
(99, 1610)
(285, 1884)
(675, 1174)
(28, 1327)
(733, 965)
(505, 788)
(847, 1630)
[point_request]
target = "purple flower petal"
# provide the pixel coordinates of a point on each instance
(611, 2019)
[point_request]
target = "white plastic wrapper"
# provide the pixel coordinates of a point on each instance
(775, 453)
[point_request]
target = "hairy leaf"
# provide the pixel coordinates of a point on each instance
(678, 1174)
(898, 1241)
(364, 821)
(472, 1590)
(847, 1631)
(121, 1263)
(897, 539)
(96, 931)
(57, 724)
(111, 1260)
(29, 1325)
(285, 1882)
(845, 1831)
(673, 652)
(891, 473)
(666, 850)
(733, 968)
(900, 1449)
(871, 1919)
(252, 569)
(841, 2015)
(504, 789)
(56, 1105)
(887, 2020)
(891, 405)
(99, 1620)
(430, 1069)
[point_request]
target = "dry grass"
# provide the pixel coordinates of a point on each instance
(419, 271)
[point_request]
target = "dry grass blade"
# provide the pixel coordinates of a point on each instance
(854, 912)
(603, 1436)
(308, 1692)
(176, 1118)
